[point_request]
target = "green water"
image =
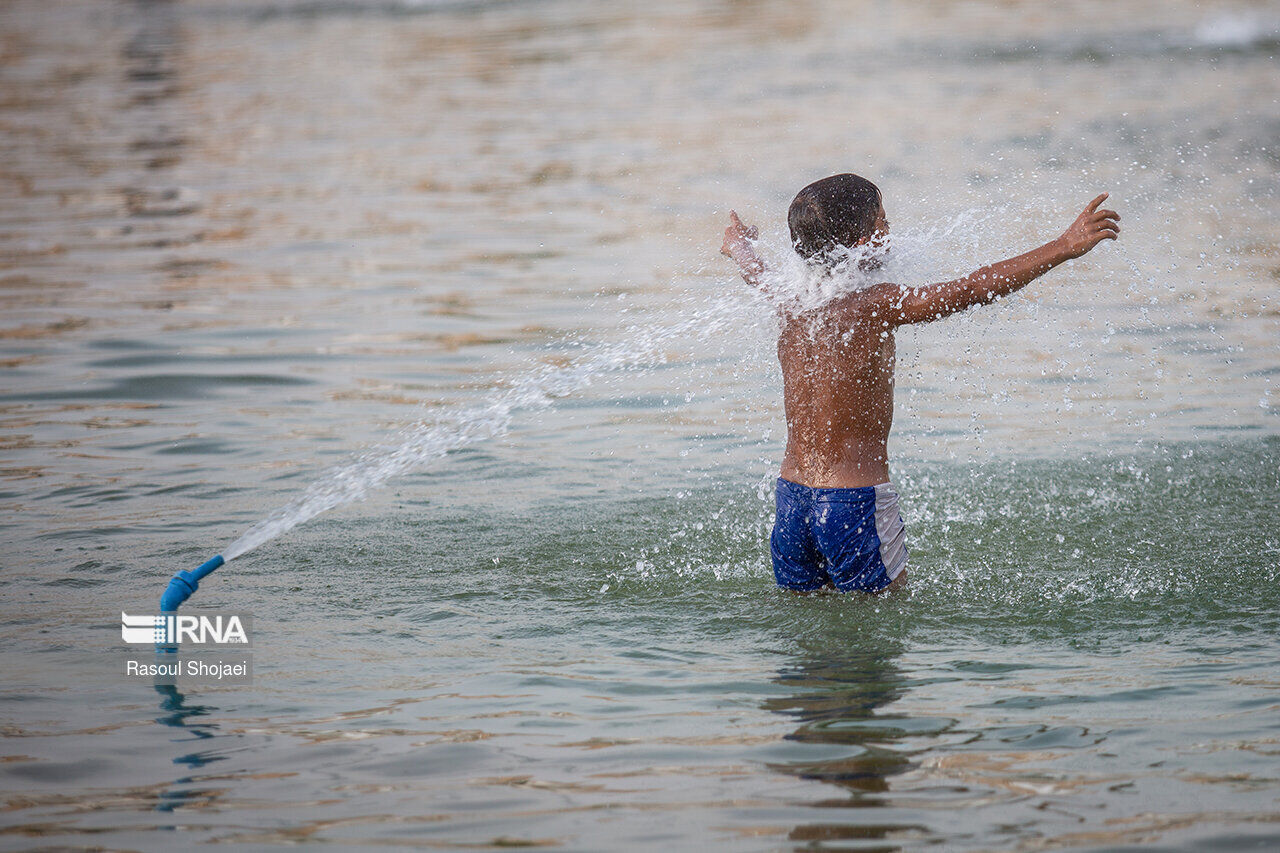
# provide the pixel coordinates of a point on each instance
(1085, 656)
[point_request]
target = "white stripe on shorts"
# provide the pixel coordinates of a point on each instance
(892, 533)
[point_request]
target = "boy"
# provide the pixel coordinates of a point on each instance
(837, 521)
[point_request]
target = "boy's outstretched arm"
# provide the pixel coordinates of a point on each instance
(737, 245)
(906, 305)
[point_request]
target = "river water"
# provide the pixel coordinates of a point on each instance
(245, 244)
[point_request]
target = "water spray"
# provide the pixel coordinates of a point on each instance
(789, 284)
(643, 346)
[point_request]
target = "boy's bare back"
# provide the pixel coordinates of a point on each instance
(837, 376)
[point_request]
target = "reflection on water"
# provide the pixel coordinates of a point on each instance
(844, 689)
(181, 713)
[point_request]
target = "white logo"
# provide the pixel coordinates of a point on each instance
(170, 629)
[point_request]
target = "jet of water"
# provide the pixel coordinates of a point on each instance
(791, 285)
(642, 346)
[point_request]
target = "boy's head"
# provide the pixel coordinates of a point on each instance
(842, 210)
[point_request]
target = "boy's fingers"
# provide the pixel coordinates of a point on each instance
(1093, 205)
(1107, 214)
(733, 216)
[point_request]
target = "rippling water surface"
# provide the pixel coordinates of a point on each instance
(246, 244)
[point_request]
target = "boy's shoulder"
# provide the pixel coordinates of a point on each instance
(872, 305)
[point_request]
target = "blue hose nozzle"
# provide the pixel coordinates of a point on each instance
(184, 584)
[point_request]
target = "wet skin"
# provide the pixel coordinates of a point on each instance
(837, 373)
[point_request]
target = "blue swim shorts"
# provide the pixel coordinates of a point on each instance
(851, 538)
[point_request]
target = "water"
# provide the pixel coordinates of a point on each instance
(460, 428)
(459, 260)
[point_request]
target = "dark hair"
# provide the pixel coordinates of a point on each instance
(835, 211)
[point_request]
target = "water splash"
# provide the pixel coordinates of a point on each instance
(911, 255)
(790, 283)
(917, 255)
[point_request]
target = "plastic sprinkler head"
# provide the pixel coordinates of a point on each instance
(184, 584)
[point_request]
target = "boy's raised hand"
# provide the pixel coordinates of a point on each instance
(1090, 228)
(736, 236)
(737, 245)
